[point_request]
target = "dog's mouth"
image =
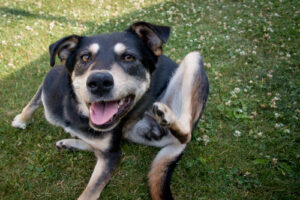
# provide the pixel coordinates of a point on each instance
(105, 114)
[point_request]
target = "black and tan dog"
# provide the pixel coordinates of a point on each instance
(120, 84)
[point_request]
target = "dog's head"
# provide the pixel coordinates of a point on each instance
(110, 72)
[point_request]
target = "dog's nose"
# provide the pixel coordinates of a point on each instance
(100, 83)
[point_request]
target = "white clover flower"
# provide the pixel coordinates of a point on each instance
(278, 125)
(286, 131)
(276, 15)
(228, 103)
(247, 173)
(276, 115)
(205, 139)
(237, 133)
(260, 134)
(51, 25)
(237, 90)
(28, 28)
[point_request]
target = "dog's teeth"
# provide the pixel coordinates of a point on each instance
(121, 102)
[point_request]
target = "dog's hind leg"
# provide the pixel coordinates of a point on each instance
(183, 103)
(22, 119)
(179, 109)
(161, 171)
(73, 144)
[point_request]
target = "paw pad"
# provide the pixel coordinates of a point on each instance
(163, 114)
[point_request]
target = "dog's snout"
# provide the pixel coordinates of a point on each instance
(100, 83)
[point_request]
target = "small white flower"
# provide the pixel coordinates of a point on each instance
(228, 103)
(250, 81)
(276, 115)
(28, 28)
(51, 25)
(237, 133)
(242, 53)
(276, 15)
(286, 131)
(247, 173)
(269, 75)
(237, 90)
(278, 125)
(260, 133)
(205, 139)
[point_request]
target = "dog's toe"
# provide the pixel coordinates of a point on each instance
(62, 145)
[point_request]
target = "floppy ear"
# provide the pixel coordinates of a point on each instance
(63, 48)
(153, 35)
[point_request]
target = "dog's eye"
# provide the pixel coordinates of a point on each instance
(85, 58)
(128, 58)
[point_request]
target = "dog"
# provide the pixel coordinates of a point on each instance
(120, 85)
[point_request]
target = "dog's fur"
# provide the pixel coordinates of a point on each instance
(120, 84)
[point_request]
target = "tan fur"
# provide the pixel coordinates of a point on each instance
(195, 103)
(22, 119)
(94, 48)
(156, 176)
(119, 48)
(91, 193)
(125, 84)
(155, 43)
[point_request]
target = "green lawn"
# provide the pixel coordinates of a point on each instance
(245, 147)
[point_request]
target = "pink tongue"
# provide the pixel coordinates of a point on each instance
(102, 112)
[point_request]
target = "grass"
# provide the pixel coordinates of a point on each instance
(245, 147)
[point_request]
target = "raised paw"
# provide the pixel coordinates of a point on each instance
(18, 122)
(163, 114)
(63, 145)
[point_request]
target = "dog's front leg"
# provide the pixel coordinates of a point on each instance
(105, 166)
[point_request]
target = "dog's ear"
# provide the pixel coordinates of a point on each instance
(153, 35)
(63, 48)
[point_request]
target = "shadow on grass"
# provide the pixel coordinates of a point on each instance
(27, 14)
